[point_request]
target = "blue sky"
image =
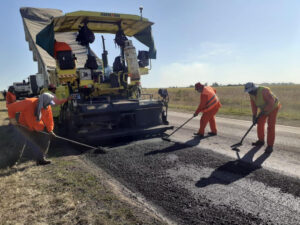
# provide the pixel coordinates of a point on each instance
(228, 42)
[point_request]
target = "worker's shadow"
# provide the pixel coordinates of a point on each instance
(178, 146)
(234, 170)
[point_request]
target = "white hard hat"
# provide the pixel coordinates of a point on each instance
(250, 86)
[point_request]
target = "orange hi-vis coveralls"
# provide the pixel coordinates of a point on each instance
(268, 103)
(209, 105)
(10, 98)
(27, 108)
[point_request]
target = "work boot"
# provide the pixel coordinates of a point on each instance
(269, 149)
(212, 134)
(258, 143)
(199, 135)
(42, 162)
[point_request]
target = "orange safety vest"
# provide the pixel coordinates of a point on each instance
(212, 100)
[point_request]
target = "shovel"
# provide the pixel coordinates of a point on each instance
(235, 146)
(168, 137)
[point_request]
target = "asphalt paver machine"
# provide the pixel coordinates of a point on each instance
(107, 102)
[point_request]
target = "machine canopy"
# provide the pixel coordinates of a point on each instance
(98, 22)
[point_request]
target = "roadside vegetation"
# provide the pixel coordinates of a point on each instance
(236, 103)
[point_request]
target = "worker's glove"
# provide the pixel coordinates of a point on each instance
(52, 134)
(13, 121)
(254, 119)
(195, 114)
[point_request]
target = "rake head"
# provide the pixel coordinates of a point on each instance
(235, 146)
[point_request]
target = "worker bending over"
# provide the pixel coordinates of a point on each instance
(209, 106)
(35, 116)
(10, 96)
(262, 98)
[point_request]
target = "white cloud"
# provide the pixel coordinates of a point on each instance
(183, 75)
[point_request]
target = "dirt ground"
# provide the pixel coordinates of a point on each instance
(68, 191)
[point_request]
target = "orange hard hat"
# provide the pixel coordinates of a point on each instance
(198, 86)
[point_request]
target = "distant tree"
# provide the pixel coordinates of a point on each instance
(215, 84)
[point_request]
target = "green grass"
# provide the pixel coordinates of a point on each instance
(236, 103)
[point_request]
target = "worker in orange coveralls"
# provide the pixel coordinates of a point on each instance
(262, 98)
(10, 96)
(35, 115)
(209, 106)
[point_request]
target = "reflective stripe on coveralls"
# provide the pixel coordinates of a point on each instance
(212, 98)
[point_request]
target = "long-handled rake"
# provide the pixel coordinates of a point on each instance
(168, 137)
(235, 146)
(97, 149)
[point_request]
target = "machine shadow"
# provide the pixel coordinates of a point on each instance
(234, 170)
(178, 146)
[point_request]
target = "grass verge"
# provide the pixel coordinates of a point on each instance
(236, 103)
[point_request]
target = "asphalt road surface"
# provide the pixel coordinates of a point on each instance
(203, 181)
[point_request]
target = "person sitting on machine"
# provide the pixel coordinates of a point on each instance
(63, 53)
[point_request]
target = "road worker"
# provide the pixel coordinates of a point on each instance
(52, 89)
(268, 104)
(209, 106)
(60, 47)
(4, 93)
(35, 116)
(56, 109)
(10, 96)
